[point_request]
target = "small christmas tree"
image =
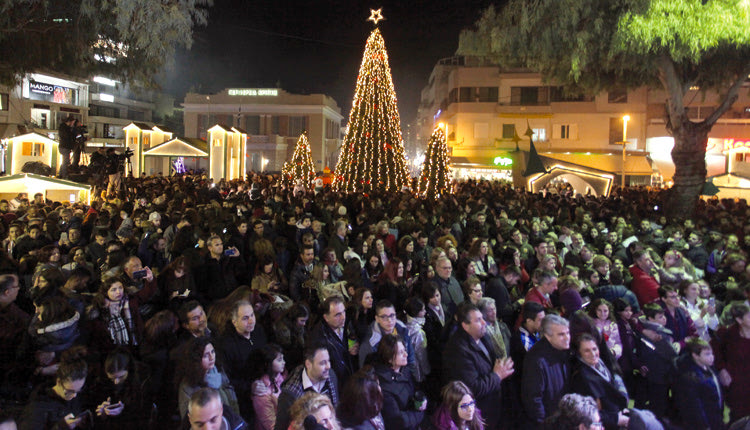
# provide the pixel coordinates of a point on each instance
(372, 156)
(436, 172)
(300, 167)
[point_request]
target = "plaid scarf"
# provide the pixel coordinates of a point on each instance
(120, 324)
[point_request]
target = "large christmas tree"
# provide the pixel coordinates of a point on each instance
(300, 167)
(372, 156)
(435, 177)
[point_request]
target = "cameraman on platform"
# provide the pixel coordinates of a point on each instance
(113, 169)
(80, 136)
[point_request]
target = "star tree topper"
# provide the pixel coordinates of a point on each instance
(376, 15)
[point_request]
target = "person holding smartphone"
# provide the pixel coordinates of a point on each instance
(120, 391)
(59, 407)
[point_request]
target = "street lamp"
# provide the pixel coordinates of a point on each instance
(625, 120)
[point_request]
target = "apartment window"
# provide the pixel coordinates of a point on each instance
(252, 124)
(540, 134)
(487, 94)
(529, 96)
(332, 129)
(615, 130)
(4, 101)
(565, 131)
(297, 124)
(109, 131)
(136, 115)
(275, 121)
(617, 95)
(453, 96)
(509, 131)
(466, 94)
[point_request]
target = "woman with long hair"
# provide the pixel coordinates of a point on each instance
(398, 385)
(458, 410)
(290, 332)
(320, 280)
(481, 258)
(120, 390)
(361, 312)
(318, 406)
(371, 271)
(178, 282)
(270, 370)
(362, 401)
(392, 285)
(199, 369)
(159, 337)
(268, 277)
(115, 317)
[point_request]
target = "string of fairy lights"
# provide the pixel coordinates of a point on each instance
(373, 156)
(436, 173)
(301, 166)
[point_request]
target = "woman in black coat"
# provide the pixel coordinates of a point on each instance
(400, 410)
(591, 377)
(120, 394)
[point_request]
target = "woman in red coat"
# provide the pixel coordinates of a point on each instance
(732, 349)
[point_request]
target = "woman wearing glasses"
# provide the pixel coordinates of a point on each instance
(458, 411)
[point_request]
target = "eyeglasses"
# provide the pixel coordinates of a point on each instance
(466, 406)
(388, 317)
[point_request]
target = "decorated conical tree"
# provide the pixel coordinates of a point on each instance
(436, 172)
(300, 167)
(372, 156)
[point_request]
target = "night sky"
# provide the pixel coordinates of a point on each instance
(316, 46)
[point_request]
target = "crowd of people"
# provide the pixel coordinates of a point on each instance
(183, 303)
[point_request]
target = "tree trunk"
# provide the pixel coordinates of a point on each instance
(689, 157)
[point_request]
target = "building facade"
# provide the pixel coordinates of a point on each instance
(489, 111)
(273, 120)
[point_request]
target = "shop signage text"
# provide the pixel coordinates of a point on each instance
(273, 92)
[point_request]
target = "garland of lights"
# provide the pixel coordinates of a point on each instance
(300, 167)
(373, 156)
(436, 172)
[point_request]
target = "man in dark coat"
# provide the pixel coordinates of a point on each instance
(331, 332)
(472, 360)
(301, 272)
(220, 273)
(67, 142)
(546, 371)
(338, 240)
(235, 348)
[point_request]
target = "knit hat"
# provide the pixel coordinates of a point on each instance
(571, 301)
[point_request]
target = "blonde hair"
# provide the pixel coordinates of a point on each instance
(308, 404)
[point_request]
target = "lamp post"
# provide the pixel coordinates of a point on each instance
(625, 120)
